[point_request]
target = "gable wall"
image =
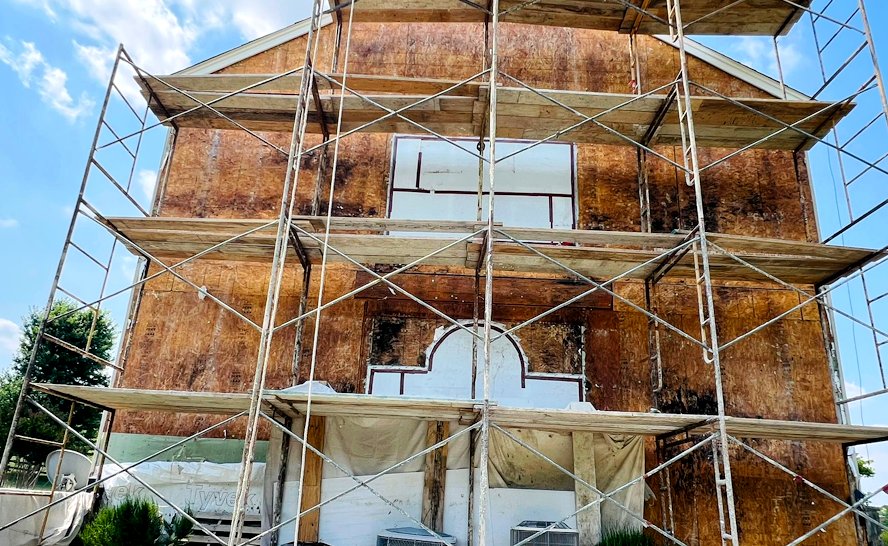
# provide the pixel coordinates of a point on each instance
(182, 342)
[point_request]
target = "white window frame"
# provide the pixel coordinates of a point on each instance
(573, 196)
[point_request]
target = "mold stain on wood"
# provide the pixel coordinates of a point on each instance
(183, 342)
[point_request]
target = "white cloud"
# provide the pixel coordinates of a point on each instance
(753, 51)
(758, 52)
(23, 63)
(254, 19)
(853, 389)
(53, 89)
(98, 61)
(791, 57)
(9, 341)
(160, 35)
(51, 82)
(42, 5)
(7, 223)
(146, 180)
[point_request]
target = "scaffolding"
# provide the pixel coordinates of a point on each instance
(684, 113)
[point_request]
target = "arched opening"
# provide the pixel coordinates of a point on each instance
(448, 374)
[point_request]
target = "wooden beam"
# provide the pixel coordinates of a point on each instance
(282, 462)
(589, 520)
(435, 477)
(597, 253)
(309, 524)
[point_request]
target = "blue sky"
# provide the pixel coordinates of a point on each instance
(55, 58)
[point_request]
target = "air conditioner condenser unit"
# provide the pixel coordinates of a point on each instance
(412, 536)
(559, 535)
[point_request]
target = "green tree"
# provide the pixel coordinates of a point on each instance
(55, 364)
(865, 468)
(883, 517)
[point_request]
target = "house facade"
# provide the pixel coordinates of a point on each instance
(600, 350)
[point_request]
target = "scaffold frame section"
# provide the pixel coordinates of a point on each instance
(679, 102)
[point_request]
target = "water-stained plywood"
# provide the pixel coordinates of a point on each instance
(756, 17)
(181, 341)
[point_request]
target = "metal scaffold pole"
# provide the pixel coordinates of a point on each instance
(288, 196)
(316, 91)
(38, 338)
(723, 479)
(484, 477)
(871, 45)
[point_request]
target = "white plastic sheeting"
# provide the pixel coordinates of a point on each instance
(619, 459)
(523, 485)
(62, 526)
(366, 445)
(203, 487)
(357, 517)
(512, 465)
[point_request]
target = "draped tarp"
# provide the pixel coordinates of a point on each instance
(62, 525)
(619, 459)
(513, 465)
(365, 446)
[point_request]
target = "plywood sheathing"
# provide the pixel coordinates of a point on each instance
(787, 358)
(225, 174)
(754, 17)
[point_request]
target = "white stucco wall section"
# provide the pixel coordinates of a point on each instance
(357, 517)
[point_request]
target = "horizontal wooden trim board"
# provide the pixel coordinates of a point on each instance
(752, 17)
(647, 424)
(521, 113)
(597, 254)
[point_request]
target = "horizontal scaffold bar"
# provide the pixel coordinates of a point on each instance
(614, 422)
(604, 254)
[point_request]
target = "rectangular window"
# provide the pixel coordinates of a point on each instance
(434, 180)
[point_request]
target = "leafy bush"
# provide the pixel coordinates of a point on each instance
(176, 530)
(883, 517)
(134, 522)
(625, 537)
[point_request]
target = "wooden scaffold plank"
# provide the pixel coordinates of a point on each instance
(521, 113)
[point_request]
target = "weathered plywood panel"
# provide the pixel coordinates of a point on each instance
(183, 342)
(766, 17)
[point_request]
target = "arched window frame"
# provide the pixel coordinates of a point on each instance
(580, 379)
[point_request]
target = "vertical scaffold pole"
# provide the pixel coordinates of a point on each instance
(729, 535)
(29, 369)
(288, 194)
(877, 71)
(484, 478)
